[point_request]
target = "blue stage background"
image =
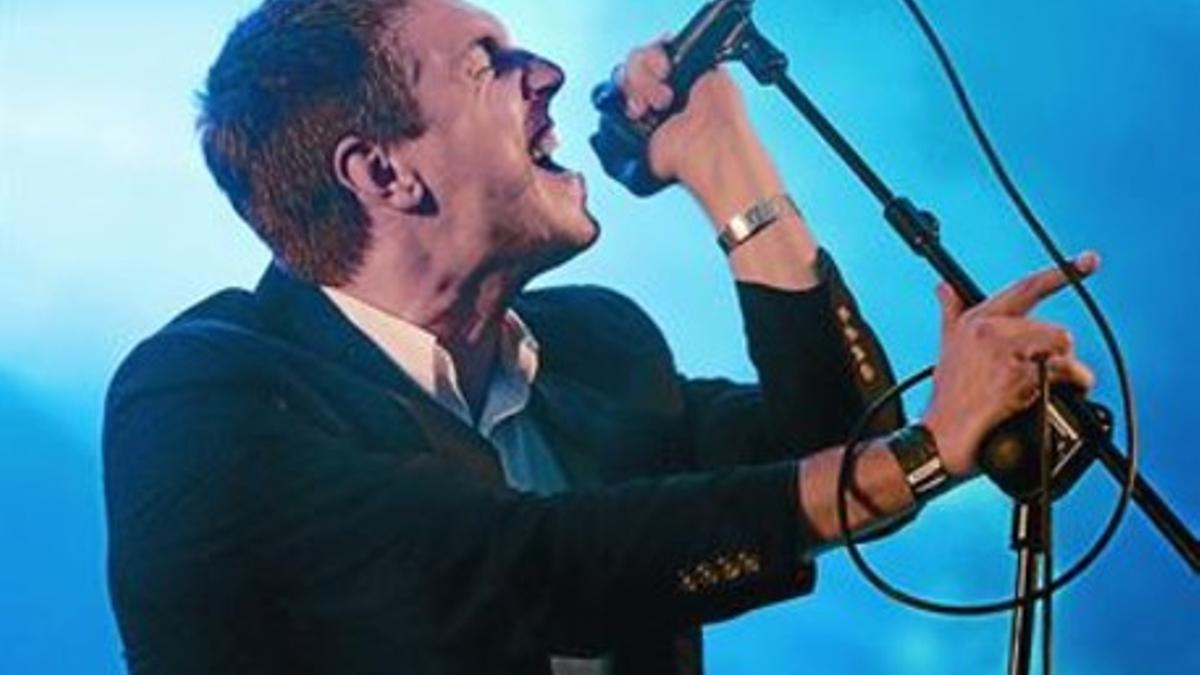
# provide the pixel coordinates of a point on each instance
(109, 225)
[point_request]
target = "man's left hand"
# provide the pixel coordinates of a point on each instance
(711, 148)
(708, 144)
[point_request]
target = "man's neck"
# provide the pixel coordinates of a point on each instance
(463, 311)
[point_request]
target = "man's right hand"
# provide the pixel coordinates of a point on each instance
(988, 368)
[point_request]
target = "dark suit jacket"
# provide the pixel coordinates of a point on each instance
(282, 499)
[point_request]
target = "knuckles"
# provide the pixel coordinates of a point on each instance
(981, 329)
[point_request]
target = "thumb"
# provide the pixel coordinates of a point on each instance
(952, 305)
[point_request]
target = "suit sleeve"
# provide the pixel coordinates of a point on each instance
(819, 366)
(231, 482)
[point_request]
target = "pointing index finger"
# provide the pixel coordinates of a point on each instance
(1022, 296)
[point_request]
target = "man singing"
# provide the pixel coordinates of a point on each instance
(391, 458)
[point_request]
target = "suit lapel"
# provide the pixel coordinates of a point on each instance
(453, 439)
(571, 420)
(309, 319)
(598, 438)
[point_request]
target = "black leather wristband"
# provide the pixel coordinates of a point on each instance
(915, 448)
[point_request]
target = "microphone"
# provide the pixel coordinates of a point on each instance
(712, 36)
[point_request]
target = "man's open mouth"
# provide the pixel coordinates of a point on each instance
(542, 146)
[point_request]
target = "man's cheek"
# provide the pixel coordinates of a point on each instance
(507, 179)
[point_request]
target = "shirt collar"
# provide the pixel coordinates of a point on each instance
(416, 352)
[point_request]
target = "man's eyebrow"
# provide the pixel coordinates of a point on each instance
(489, 35)
(485, 40)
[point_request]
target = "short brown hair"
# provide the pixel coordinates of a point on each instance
(295, 77)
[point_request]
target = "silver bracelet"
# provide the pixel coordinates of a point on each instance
(742, 227)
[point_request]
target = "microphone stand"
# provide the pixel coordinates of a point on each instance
(1029, 542)
(1079, 426)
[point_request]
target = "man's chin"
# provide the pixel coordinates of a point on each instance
(589, 229)
(572, 236)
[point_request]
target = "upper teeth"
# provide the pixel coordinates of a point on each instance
(545, 145)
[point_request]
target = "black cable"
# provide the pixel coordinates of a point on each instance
(1072, 275)
(855, 442)
(856, 439)
(1043, 236)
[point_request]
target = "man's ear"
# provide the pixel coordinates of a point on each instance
(376, 177)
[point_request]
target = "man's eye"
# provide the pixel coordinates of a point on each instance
(485, 63)
(490, 47)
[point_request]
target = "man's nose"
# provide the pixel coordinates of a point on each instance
(540, 77)
(543, 78)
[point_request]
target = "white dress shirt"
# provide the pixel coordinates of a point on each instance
(526, 459)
